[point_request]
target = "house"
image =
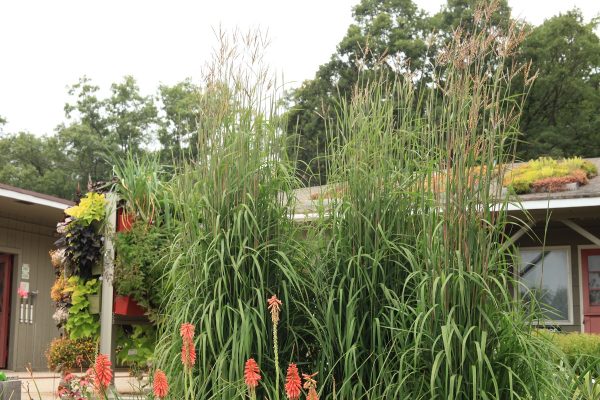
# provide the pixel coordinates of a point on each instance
(566, 271)
(560, 259)
(27, 225)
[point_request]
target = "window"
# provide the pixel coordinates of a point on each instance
(546, 274)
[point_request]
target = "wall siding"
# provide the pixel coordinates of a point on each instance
(30, 243)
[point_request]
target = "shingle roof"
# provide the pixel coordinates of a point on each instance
(307, 199)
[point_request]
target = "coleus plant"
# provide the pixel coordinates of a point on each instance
(83, 248)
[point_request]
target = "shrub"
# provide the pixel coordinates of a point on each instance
(581, 349)
(66, 354)
(135, 346)
(138, 252)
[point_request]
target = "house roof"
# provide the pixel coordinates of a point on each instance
(29, 196)
(308, 199)
(28, 206)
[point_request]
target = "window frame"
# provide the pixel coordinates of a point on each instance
(567, 249)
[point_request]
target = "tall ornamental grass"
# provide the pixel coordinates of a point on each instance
(234, 244)
(417, 301)
(402, 288)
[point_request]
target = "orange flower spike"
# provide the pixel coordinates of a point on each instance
(311, 385)
(293, 384)
(188, 349)
(102, 372)
(188, 354)
(187, 332)
(312, 394)
(160, 385)
(251, 374)
(274, 307)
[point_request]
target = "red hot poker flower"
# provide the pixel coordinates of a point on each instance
(102, 372)
(292, 383)
(160, 385)
(275, 307)
(187, 332)
(251, 374)
(188, 349)
(188, 354)
(311, 384)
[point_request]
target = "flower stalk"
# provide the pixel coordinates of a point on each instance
(274, 306)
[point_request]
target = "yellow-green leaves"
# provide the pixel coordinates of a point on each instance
(90, 208)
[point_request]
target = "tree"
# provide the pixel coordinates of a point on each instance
(178, 131)
(35, 163)
(131, 117)
(562, 114)
(100, 129)
(393, 35)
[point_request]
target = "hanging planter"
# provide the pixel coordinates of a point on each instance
(126, 305)
(94, 300)
(125, 220)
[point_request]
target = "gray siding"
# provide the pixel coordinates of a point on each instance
(29, 243)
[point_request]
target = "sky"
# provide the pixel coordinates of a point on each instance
(45, 46)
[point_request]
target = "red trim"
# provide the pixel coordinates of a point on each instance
(591, 313)
(5, 280)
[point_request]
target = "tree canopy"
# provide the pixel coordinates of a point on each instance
(561, 116)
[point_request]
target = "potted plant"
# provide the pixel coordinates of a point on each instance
(126, 305)
(10, 388)
(125, 220)
(65, 354)
(83, 242)
(137, 253)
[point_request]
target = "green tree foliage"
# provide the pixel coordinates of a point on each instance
(124, 122)
(121, 123)
(393, 35)
(562, 114)
(178, 129)
(35, 163)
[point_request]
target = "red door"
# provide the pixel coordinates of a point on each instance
(590, 270)
(5, 280)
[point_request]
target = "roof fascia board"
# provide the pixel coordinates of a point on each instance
(554, 204)
(32, 199)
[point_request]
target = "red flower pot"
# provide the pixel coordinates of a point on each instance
(126, 305)
(124, 220)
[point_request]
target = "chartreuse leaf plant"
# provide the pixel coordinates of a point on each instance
(90, 208)
(81, 322)
(135, 346)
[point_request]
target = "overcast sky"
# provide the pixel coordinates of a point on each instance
(47, 45)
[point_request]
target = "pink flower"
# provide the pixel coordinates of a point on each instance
(22, 293)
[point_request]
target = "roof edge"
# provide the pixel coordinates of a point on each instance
(550, 204)
(29, 196)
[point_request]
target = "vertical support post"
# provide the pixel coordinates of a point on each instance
(106, 308)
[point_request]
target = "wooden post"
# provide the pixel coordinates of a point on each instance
(107, 338)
